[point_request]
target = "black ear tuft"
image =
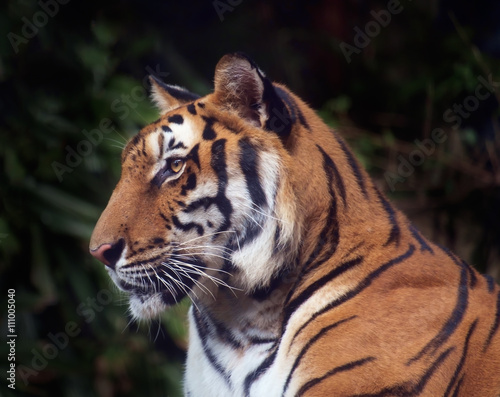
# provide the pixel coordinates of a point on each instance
(169, 97)
(242, 87)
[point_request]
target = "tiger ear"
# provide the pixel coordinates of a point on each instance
(168, 97)
(240, 86)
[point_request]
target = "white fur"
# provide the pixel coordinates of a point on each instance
(201, 379)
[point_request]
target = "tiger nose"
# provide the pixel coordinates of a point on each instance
(109, 253)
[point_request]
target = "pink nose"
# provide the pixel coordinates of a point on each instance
(99, 253)
(109, 253)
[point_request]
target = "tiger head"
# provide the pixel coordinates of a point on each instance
(207, 199)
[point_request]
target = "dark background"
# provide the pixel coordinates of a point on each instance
(73, 90)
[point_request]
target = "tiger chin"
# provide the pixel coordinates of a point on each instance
(305, 280)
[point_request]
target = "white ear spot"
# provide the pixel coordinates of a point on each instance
(167, 97)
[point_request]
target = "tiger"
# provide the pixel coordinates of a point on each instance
(304, 279)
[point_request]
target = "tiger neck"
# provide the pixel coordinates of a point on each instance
(249, 319)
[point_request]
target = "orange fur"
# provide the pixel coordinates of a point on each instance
(363, 304)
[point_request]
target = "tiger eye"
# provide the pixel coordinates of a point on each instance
(176, 165)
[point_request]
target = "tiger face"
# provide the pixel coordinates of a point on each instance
(196, 212)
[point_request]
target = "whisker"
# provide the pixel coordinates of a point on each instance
(182, 285)
(119, 144)
(128, 324)
(260, 210)
(158, 321)
(145, 271)
(167, 285)
(206, 235)
(197, 266)
(121, 136)
(214, 279)
(195, 254)
(196, 282)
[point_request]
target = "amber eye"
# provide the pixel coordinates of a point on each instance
(176, 165)
(171, 168)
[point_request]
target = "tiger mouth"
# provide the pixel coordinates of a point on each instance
(170, 295)
(172, 288)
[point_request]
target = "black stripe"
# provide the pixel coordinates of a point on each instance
(395, 233)
(193, 155)
(456, 316)
(281, 117)
(262, 293)
(167, 221)
(189, 185)
(158, 240)
(166, 128)
(133, 144)
(179, 145)
(191, 109)
(365, 283)
(309, 344)
(346, 367)
(462, 360)
(292, 107)
(354, 164)
(218, 163)
(411, 389)
(177, 92)
(456, 393)
(472, 274)
(208, 131)
(161, 142)
(329, 236)
(277, 246)
(491, 283)
(255, 340)
(224, 333)
(141, 262)
(329, 164)
(202, 328)
(187, 226)
(496, 324)
(423, 244)
(204, 202)
(258, 372)
(176, 119)
(462, 263)
(314, 287)
(249, 160)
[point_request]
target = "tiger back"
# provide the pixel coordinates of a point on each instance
(305, 280)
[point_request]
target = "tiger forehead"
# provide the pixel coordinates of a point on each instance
(172, 132)
(180, 130)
